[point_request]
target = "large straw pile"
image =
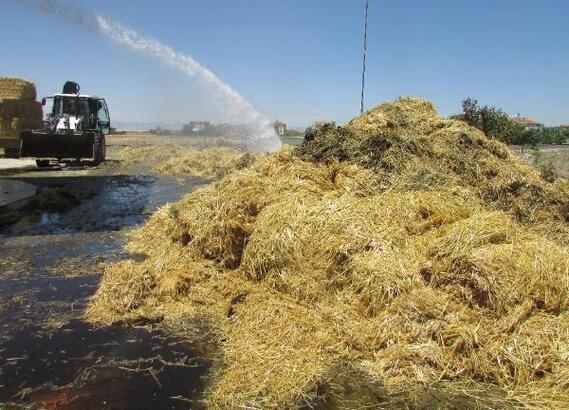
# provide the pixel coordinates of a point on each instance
(18, 108)
(403, 260)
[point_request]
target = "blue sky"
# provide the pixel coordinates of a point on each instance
(300, 60)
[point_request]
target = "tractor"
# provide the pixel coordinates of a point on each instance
(74, 129)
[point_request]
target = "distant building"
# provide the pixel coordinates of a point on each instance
(280, 128)
(197, 126)
(321, 124)
(528, 123)
(564, 126)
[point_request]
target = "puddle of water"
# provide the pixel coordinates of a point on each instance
(49, 358)
(51, 288)
(110, 202)
(82, 367)
(47, 218)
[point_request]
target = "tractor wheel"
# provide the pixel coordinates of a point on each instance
(99, 149)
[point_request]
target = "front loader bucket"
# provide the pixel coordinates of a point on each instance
(49, 145)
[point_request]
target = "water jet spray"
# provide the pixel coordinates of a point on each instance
(236, 108)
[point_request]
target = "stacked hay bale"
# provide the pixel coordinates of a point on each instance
(19, 111)
(402, 261)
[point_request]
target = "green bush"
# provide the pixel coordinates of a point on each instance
(496, 124)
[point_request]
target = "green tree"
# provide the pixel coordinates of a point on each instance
(492, 121)
(293, 133)
(563, 136)
(556, 135)
(528, 137)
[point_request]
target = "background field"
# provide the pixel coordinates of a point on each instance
(557, 155)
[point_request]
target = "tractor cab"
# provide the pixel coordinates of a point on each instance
(75, 127)
(76, 114)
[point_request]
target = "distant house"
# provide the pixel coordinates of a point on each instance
(528, 123)
(197, 126)
(564, 126)
(321, 124)
(280, 128)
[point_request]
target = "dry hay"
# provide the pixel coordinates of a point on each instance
(405, 253)
(205, 162)
(147, 154)
(410, 147)
(17, 88)
(10, 108)
(11, 127)
(18, 108)
(6, 126)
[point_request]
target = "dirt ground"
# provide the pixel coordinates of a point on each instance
(52, 252)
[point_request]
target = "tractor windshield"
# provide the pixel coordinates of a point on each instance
(71, 106)
(83, 108)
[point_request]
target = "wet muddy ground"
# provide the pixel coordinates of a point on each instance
(52, 252)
